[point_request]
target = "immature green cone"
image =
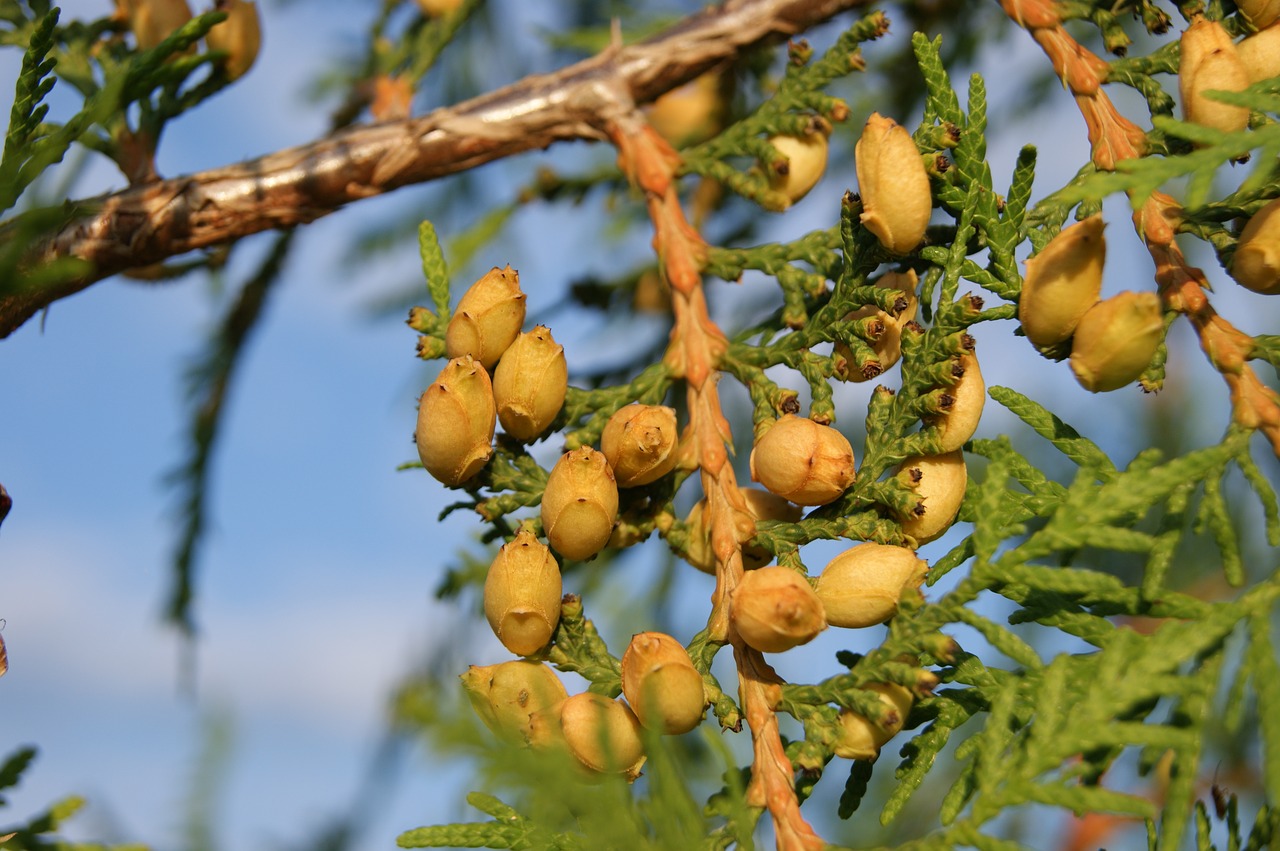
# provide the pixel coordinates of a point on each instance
(888, 347)
(1260, 13)
(1062, 282)
(240, 35)
(602, 734)
(761, 505)
(861, 586)
(1256, 265)
(530, 383)
(488, 317)
(893, 183)
(152, 21)
(802, 461)
(1116, 341)
(1209, 62)
(806, 161)
(640, 443)
(939, 481)
(858, 737)
(505, 695)
(522, 594)
(659, 681)
(456, 420)
(1260, 54)
(957, 424)
(580, 504)
(774, 609)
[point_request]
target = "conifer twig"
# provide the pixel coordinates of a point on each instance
(1182, 287)
(149, 223)
(697, 346)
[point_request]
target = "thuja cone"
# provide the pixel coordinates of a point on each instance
(522, 594)
(893, 183)
(530, 383)
(1062, 282)
(774, 609)
(802, 461)
(955, 425)
(1209, 62)
(1116, 341)
(580, 503)
(860, 738)
(488, 317)
(761, 505)
(888, 347)
(602, 734)
(939, 482)
(507, 694)
(1256, 264)
(861, 586)
(640, 443)
(659, 681)
(240, 36)
(456, 420)
(806, 161)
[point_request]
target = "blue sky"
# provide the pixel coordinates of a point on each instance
(315, 593)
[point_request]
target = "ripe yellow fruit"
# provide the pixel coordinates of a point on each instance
(580, 504)
(522, 594)
(1062, 282)
(761, 505)
(1256, 265)
(602, 734)
(507, 694)
(240, 35)
(659, 681)
(888, 347)
(957, 424)
(1260, 54)
(939, 481)
(861, 586)
(806, 160)
(1260, 13)
(152, 21)
(1116, 341)
(530, 383)
(488, 317)
(456, 421)
(640, 443)
(896, 199)
(1209, 62)
(802, 461)
(858, 737)
(774, 609)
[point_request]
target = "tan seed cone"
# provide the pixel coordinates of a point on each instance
(957, 425)
(152, 21)
(806, 161)
(580, 504)
(774, 609)
(456, 420)
(505, 695)
(1062, 282)
(488, 317)
(802, 461)
(240, 35)
(888, 348)
(1260, 54)
(530, 383)
(861, 586)
(522, 594)
(438, 8)
(939, 481)
(640, 443)
(1260, 13)
(1116, 341)
(691, 114)
(858, 738)
(893, 183)
(602, 734)
(661, 684)
(1209, 62)
(1256, 265)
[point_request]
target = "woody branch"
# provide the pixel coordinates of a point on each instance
(152, 222)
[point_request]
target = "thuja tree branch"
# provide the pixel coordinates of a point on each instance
(150, 223)
(1182, 286)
